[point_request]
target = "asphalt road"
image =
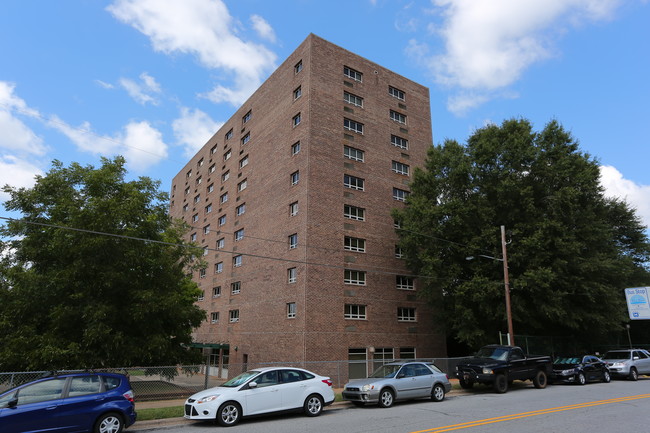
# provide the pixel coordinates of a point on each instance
(597, 407)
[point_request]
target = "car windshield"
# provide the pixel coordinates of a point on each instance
(617, 354)
(241, 379)
(566, 360)
(389, 370)
(498, 353)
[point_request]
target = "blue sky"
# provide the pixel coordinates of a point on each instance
(153, 79)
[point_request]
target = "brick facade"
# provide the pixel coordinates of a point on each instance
(264, 129)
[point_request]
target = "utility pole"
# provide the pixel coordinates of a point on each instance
(511, 333)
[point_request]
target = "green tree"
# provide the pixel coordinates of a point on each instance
(72, 297)
(572, 250)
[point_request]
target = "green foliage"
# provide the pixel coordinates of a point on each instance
(572, 250)
(79, 299)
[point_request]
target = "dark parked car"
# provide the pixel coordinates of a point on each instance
(580, 369)
(78, 402)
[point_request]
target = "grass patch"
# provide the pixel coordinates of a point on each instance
(160, 413)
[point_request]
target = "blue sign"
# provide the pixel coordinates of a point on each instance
(638, 305)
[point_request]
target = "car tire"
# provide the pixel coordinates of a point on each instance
(607, 377)
(540, 380)
(109, 423)
(229, 414)
(465, 384)
(438, 392)
(386, 398)
(634, 375)
(581, 379)
(313, 405)
(500, 383)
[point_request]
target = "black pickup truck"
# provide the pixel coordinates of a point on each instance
(499, 365)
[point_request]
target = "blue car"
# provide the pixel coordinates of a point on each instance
(77, 402)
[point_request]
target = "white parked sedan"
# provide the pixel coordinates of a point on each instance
(260, 391)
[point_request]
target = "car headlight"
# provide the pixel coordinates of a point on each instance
(207, 398)
(366, 388)
(487, 370)
(568, 372)
(618, 364)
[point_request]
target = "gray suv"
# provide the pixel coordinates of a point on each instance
(629, 363)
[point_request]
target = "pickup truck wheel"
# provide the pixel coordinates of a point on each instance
(581, 379)
(540, 380)
(465, 384)
(386, 398)
(500, 383)
(438, 392)
(634, 375)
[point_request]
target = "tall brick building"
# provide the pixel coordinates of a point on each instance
(292, 200)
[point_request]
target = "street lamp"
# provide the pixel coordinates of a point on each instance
(506, 280)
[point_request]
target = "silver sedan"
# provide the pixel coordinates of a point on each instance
(398, 381)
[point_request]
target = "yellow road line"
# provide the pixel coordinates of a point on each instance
(529, 414)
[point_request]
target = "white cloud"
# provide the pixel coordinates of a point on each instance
(638, 196)
(193, 129)
(104, 84)
(263, 28)
(17, 173)
(203, 28)
(144, 91)
(15, 135)
(490, 43)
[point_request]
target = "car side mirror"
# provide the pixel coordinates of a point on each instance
(13, 402)
(252, 385)
(401, 376)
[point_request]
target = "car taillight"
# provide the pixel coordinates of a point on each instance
(328, 382)
(129, 396)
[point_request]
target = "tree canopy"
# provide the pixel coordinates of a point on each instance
(571, 250)
(72, 296)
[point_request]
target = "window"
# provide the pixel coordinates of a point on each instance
(239, 235)
(407, 352)
(298, 67)
(193, 237)
(352, 153)
(221, 243)
(296, 120)
(400, 168)
(223, 198)
(353, 74)
(292, 275)
(297, 93)
(237, 261)
(247, 116)
(293, 241)
(210, 188)
(398, 117)
(187, 190)
(295, 177)
(397, 93)
(246, 138)
(353, 182)
(404, 283)
(356, 278)
(405, 314)
(206, 229)
(212, 168)
(293, 209)
(214, 317)
(201, 296)
(218, 268)
(222, 220)
(225, 176)
(295, 148)
(397, 224)
(188, 174)
(213, 150)
(200, 163)
(400, 194)
(291, 310)
(208, 208)
(233, 316)
(195, 217)
(202, 273)
(354, 213)
(243, 162)
(216, 292)
(354, 311)
(38, 392)
(186, 207)
(241, 209)
(229, 135)
(353, 99)
(227, 155)
(206, 251)
(242, 185)
(354, 244)
(353, 126)
(199, 180)
(398, 252)
(197, 198)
